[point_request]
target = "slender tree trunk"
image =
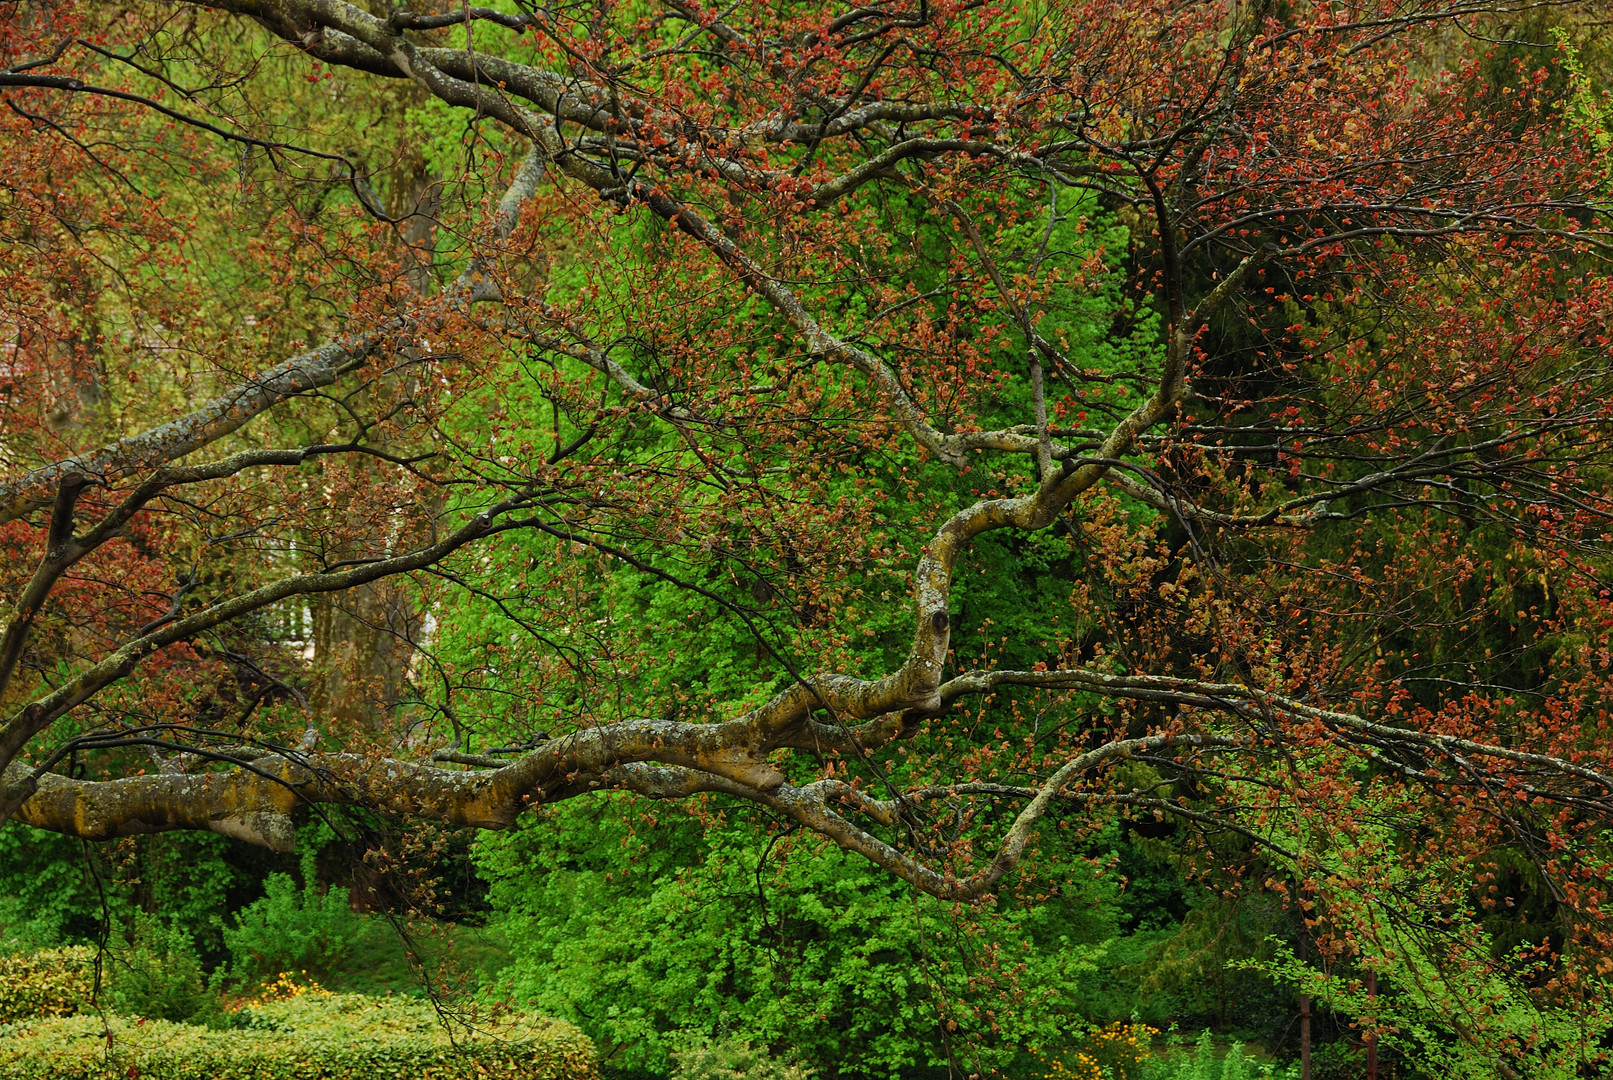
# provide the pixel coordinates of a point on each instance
(1305, 1037)
(1304, 1020)
(1372, 1038)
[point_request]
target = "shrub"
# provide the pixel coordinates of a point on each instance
(46, 896)
(283, 987)
(1203, 1065)
(56, 982)
(732, 1059)
(309, 1037)
(157, 974)
(292, 929)
(837, 960)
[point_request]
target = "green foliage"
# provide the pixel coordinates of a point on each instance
(709, 663)
(189, 879)
(1198, 967)
(1115, 1054)
(293, 929)
(1202, 1064)
(1587, 111)
(306, 1038)
(1446, 1018)
(1235, 1066)
(640, 937)
(733, 1059)
(156, 973)
(49, 893)
(718, 924)
(55, 982)
(46, 895)
(1338, 1061)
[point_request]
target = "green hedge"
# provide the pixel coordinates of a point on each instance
(43, 984)
(339, 1037)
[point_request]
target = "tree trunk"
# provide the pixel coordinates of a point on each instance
(363, 644)
(1372, 1038)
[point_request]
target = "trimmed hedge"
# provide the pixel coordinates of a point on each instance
(57, 982)
(336, 1037)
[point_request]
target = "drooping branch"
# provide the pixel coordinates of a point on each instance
(1254, 704)
(661, 759)
(669, 759)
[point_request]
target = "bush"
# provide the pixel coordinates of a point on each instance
(157, 974)
(310, 1037)
(838, 960)
(1203, 1065)
(47, 897)
(56, 982)
(732, 1059)
(292, 929)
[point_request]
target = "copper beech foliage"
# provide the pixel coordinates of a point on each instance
(262, 354)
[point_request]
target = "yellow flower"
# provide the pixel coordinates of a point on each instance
(284, 987)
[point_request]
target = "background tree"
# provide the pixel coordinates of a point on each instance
(803, 322)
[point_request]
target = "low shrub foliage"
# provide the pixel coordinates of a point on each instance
(56, 982)
(305, 1037)
(733, 1059)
